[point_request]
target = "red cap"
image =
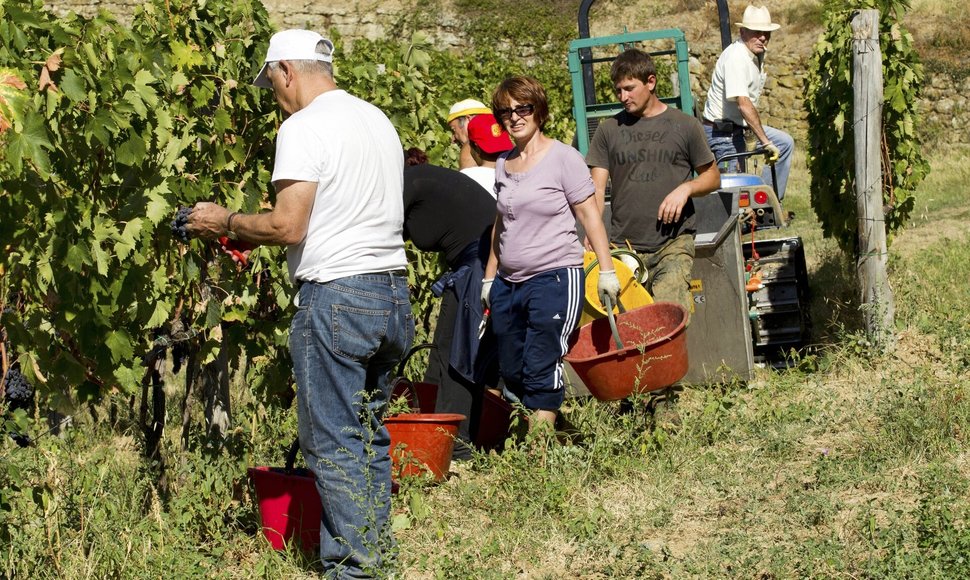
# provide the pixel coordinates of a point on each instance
(486, 133)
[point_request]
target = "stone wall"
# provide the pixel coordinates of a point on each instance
(944, 105)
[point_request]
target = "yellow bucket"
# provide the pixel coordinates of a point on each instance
(632, 293)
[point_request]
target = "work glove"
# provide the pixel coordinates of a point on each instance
(608, 286)
(486, 291)
(774, 153)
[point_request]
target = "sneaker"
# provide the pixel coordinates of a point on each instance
(462, 450)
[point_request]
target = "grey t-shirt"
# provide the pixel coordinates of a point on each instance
(647, 158)
(537, 232)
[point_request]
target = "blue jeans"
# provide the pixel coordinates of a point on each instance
(346, 339)
(532, 321)
(724, 142)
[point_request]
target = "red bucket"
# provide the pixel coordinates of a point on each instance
(422, 442)
(289, 506)
(654, 355)
(494, 421)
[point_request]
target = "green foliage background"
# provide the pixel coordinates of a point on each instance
(829, 102)
(145, 118)
(140, 120)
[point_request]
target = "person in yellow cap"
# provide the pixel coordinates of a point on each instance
(458, 117)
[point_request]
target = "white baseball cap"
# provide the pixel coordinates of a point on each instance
(294, 44)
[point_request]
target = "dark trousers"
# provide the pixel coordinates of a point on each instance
(455, 393)
(532, 322)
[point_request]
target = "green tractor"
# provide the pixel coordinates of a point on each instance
(750, 296)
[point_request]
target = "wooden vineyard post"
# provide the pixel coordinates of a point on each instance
(877, 296)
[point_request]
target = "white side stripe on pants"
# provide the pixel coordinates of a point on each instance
(575, 294)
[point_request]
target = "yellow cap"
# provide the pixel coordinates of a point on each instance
(467, 108)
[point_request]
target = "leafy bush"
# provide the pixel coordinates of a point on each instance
(131, 123)
(831, 155)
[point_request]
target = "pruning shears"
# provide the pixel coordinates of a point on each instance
(484, 323)
(237, 249)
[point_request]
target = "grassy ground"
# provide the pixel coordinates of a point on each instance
(850, 464)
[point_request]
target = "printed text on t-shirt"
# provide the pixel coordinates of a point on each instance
(648, 156)
(644, 137)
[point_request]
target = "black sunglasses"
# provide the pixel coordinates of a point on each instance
(521, 111)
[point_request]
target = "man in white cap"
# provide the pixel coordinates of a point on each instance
(458, 117)
(339, 210)
(732, 100)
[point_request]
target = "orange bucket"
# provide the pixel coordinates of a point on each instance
(654, 355)
(422, 442)
(425, 393)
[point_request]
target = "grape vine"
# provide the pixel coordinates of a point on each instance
(129, 123)
(111, 128)
(829, 103)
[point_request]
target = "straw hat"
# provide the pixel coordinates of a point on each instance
(757, 18)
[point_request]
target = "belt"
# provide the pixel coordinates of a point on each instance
(300, 282)
(724, 125)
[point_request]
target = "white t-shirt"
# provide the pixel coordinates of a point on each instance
(738, 73)
(349, 148)
(485, 176)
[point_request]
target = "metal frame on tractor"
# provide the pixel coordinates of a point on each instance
(750, 299)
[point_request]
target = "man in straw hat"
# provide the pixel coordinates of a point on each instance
(732, 100)
(339, 179)
(458, 117)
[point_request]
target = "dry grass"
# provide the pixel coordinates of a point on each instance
(941, 32)
(825, 473)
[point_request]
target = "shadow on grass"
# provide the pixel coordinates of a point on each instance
(835, 306)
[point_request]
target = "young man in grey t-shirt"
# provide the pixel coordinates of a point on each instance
(650, 152)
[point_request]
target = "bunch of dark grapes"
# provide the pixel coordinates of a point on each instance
(19, 395)
(180, 352)
(178, 224)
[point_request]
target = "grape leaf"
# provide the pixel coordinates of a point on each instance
(12, 97)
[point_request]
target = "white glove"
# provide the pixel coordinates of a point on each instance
(773, 150)
(608, 286)
(486, 291)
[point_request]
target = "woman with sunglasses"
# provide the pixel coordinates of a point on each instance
(534, 281)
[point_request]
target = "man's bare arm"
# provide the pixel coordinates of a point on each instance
(753, 119)
(708, 179)
(285, 225)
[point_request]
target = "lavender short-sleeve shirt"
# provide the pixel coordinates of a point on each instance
(537, 232)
